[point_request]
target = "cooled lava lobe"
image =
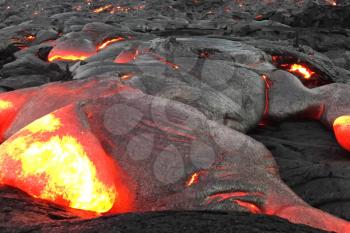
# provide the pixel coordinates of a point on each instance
(155, 119)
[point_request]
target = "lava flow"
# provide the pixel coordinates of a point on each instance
(56, 159)
(301, 69)
(103, 8)
(9, 107)
(341, 127)
(29, 38)
(310, 77)
(79, 51)
(194, 179)
(68, 57)
(72, 50)
(109, 42)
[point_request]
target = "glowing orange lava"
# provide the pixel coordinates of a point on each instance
(126, 77)
(254, 209)
(109, 42)
(341, 127)
(55, 159)
(301, 69)
(30, 38)
(194, 179)
(103, 8)
(67, 58)
(10, 103)
(72, 50)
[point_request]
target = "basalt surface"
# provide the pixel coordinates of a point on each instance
(206, 109)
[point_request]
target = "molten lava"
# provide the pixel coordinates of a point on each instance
(127, 76)
(194, 179)
(306, 73)
(56, 159)
(72, 50)
(341, 127)
(301, 69)
(30, 38)
(109, 42)
(4, 105)
(68, 57)
(9, 106)
(103, 8)
(112, 9)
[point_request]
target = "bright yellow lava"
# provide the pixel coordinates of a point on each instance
(109, 42)
(342, 121)
(57, 167)
(302, 70)
(5, 104)
(48, 123)
(67, 58)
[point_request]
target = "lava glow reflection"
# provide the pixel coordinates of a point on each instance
(58, 166)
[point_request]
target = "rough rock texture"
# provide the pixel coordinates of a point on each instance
(220, 61)
(311, 163)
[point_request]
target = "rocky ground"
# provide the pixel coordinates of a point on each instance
(210, 55)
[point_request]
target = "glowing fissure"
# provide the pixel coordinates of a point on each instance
(30, 38)
(194, 179)
(112, 9)
(268, 85)
(56, 167)
(57, 54)
(253, 208)
(68, 57)
(109, 42)
(303, 70)
(132, 54)
(103, 8)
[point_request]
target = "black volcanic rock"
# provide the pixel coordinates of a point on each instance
(311, 163)
(20, 213)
